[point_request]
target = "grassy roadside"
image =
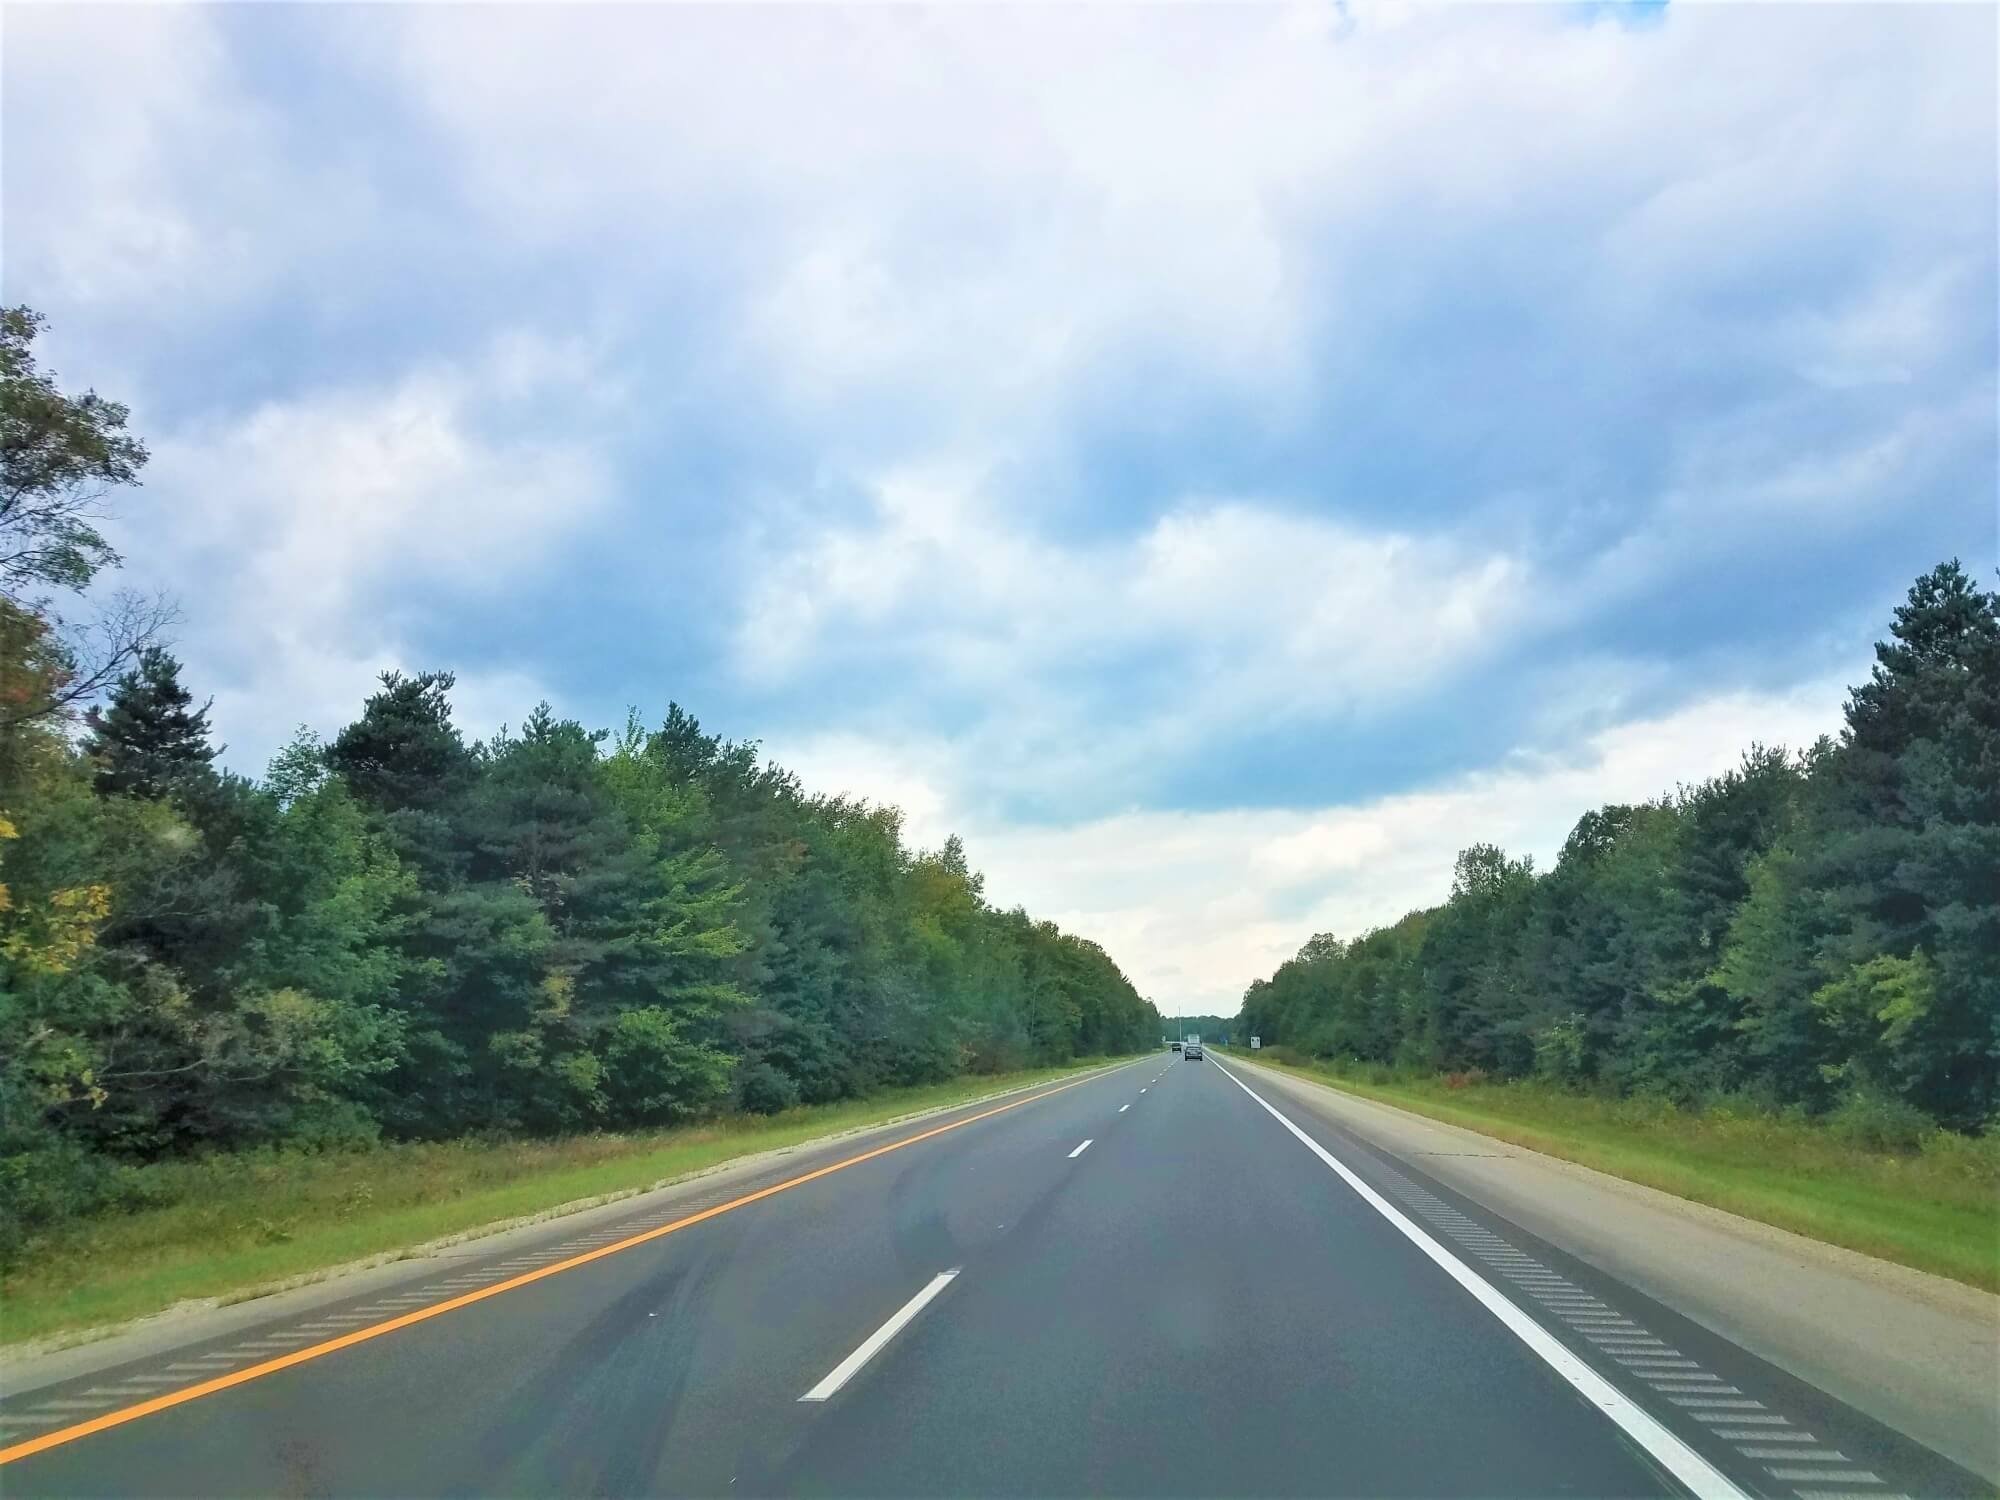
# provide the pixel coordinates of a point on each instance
(1936, 1209)
(235, 1226)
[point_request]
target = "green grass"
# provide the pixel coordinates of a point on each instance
(233, 1226)
(1935, 1207)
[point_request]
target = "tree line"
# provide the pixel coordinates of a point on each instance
(1817, 930)
(398, 932)
(1215, 1029)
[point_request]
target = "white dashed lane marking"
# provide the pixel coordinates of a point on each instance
(1793, 1455)
(845, 1371)
(1829, 1475)
(1770, 1437)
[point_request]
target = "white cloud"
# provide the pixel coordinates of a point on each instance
(295, 533)
(345, 481)
(1244, 612)
(937, 238)
(1882, 336)
(145, 181)
(936, 201)
(965, 208)
(1747, 486)
(917, 778)
(111, 217)
(1196, 905)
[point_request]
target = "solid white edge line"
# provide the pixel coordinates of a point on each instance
(1686, 1465)
(1081, 1149)
(843, 1372)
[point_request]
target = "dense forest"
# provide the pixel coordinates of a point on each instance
(1817, 931)
(399, 933)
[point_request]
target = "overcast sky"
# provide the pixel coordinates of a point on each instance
(1220, 461)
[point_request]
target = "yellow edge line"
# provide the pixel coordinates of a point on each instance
(271, 1366)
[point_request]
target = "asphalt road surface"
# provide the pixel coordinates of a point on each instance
(1151, 1282)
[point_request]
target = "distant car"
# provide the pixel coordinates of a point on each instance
(1192, 1052)
(1177, 1046)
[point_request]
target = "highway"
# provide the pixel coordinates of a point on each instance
(1160, 1280)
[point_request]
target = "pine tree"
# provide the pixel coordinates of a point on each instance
(151, 739)
(404, 753)
(1941, 644)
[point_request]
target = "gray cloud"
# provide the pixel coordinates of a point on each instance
(1167, 411)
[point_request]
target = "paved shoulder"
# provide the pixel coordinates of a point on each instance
(1594, 1265)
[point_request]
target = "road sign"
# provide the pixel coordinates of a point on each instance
(1256, 1042)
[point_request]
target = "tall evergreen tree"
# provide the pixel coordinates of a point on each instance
(404, 754)
(150, 740)
(1940, 648)
(1906, 851)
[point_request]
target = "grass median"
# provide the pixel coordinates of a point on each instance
(1934, 1206)
(230, 1227)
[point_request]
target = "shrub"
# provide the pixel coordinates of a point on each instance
(762, 1090)
(1562, 1050)
(55, 1181)
(1878, 1122)
(1976, 1158)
